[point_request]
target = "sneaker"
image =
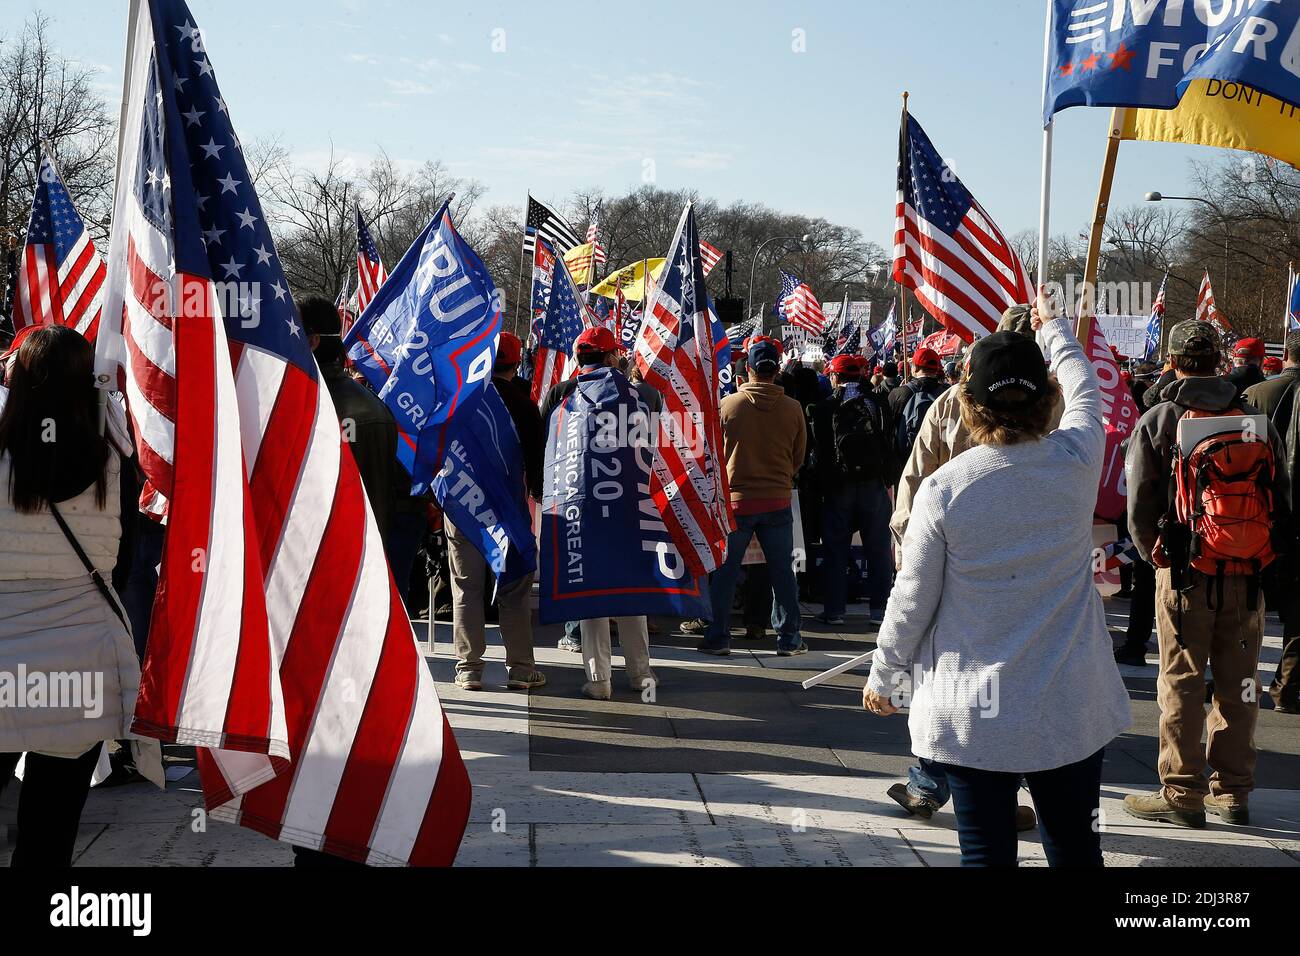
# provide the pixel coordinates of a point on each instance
(922, 807)
(467, 681)
(571, 644)
(1026, 819)
(523, 678)
(831, 619)
(875, 617)
(717, 650)
(801, 648)
(1132, 656)
(1237, 814)
(1154, 806)
(696, 625)
(598, 689)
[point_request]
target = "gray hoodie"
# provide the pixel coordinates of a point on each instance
(1149, 459)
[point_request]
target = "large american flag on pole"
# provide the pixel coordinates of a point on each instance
(676, 354)
(947, 249)
(61, 276)
(710, 255)
(557, 331)
(278, 645)
(370, 268)
(799, 305)
(1206, 310)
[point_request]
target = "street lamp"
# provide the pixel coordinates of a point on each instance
(749, 302)
(1154, 196)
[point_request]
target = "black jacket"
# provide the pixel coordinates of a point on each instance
(558, 393)
(528, 426)
(899, 397)
(829, 476)
(370, 431)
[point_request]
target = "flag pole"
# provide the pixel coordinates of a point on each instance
(902, 289)
(1045, 194)
(1286, 301)
(519, 286)
(1088, 294)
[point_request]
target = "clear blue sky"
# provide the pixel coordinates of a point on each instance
(585, 93)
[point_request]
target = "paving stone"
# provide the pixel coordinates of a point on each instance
(586, 798)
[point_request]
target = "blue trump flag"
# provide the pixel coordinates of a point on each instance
(427, 341)
(606, 551)
(1144, 53)
(426, 344)
(481, 487)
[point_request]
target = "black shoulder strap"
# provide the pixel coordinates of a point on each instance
(89, 565)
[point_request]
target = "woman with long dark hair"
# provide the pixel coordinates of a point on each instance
(68, 669)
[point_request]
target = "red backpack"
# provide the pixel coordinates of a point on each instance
(1223, 495)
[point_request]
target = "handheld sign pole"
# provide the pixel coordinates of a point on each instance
(838, 669)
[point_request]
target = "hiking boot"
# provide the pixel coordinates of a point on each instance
(598, 689)
(1026, 819)
(571, 644)
(800, 648)
(466, 680)
(1132, 656)
(523, 678)
(922, 807)
(638, 684)
(696, 625)
(1228, 810)
(1154, 806)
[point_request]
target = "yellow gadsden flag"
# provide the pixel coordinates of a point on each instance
(1218, 113)
(631, 279)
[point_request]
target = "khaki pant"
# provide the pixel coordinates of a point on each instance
(633, 638)
(469, 576)
(1228, 638)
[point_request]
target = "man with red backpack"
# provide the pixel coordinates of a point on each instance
(1209, 506)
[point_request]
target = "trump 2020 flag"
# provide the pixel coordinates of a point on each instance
(481, 487)
(1147, 52)
(606, 551)
(427, 341)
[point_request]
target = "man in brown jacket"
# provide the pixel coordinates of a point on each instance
(763, 442)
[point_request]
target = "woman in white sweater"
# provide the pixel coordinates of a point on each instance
(68, 669)
(995, 635)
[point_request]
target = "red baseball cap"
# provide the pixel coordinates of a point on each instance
(926, 358)
(19, 338)
(509, 349)
(841, 364)
(1272, 364)
(596, 339)
(1249, 348)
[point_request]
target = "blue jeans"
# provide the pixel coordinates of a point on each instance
(1067, 799)
(928, 780)
(861, 506)
(775, 531)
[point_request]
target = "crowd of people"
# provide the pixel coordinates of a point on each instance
(955, 501)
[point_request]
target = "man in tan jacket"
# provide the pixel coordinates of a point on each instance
(763, 441)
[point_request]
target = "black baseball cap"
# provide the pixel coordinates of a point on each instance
(1006, 359)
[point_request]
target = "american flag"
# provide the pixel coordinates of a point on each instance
(370, 268)
(947, 249)
(1207, 311)
(593, 237)
(1154, 323)
(741, 331)
(799, 305)
(711, 255)
(550, 225)
(558, 330)
(279, 645)
(62, 276)
(343, 303)
(852, 343)
(675, 352)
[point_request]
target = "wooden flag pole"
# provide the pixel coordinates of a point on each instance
(1088, 294)
(1286, 304)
